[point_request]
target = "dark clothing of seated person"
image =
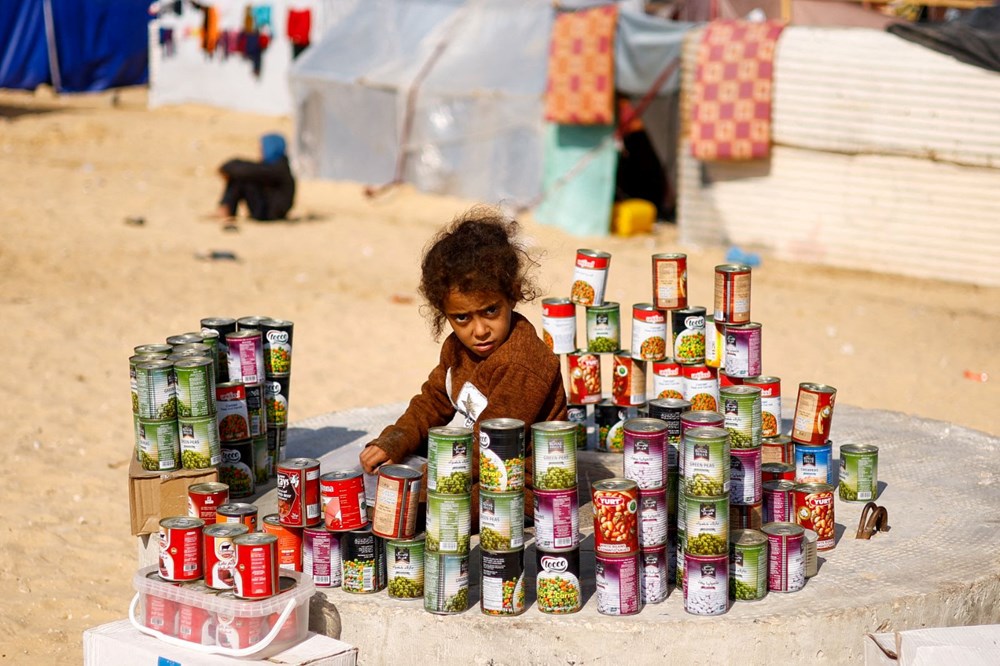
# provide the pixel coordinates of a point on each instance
(267, 187)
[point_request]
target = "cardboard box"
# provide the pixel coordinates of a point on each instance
(120, 643)
(155, 495)
(944, 646)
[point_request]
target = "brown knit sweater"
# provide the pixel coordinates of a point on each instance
(521, 379)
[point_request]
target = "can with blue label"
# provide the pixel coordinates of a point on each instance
(814, 464)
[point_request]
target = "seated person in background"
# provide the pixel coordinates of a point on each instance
(267, 187)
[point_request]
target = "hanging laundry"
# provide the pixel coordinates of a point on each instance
(262, 17)
(167, 41)
(254, 53)
(299, 26)
(209, 26)
(581, 85)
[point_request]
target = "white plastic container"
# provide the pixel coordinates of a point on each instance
(205, 620)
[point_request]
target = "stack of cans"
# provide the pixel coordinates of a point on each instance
(394, 525)
(299, 508)
(617, 565)
(646, 462)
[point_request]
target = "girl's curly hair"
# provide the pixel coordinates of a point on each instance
(478, 251)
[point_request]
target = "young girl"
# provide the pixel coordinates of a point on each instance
(493, 364)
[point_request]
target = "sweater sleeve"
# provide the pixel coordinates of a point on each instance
(257, 172)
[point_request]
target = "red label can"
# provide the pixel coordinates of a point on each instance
(236, 633)
(559, 325)
(238, 512)
(813, 504)
(777, 471)
(649, 332)
(220, 554)
(701, 387)
(628, 382)
(813, 413)
(670, 281)
(778, 501)
(777, 449)
(298, 492)
(289, 542)
(256, 566)
(195, 624)
(725, 379)
(732, 293)
(616, 516)
(159, 613)
(590, 277)
(342, 495)
(786, 566)
(667, 380)
(204, 499)
(584, 378)
(396, 499)
(181, 549)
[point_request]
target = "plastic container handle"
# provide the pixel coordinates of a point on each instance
(213, 649)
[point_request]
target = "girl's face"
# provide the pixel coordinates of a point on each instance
(480, 319)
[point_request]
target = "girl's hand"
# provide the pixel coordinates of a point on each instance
(371, 457)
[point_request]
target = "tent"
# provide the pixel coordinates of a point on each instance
(73, 45)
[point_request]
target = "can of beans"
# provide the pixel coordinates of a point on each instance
(556, 519)
(654, 574)
(858, 472)
(245, 356)
(778, 501)
(195, 387)
(277, 334)
(748, 565)
(261, 460)
(590, 277)
(584, 378)
(554, 460)
(810, 558)
(649, 332)
(298, 492)
(236, 469)
(204, 499)
(732, 293)
(238, 512)
(289, 542)
(449, 519)
(726, 380)
(701, 387)
(446, 583)
(558, 581)
(706, 462)
(256, 410)
(653, 518)
(618, 584)
(578, 415)
(276, 392)
(449, 460)
(604, 332)
(501, 455)
(670, 280)
(502, 583)
(559, 325)
(706, 584)
(363, 559)
(645, 453)
(501, 520)
(321, 556)
(232, 413)
(715, 344)
(786, 568)
(342, 500)
(813, 413)
(181, 549)
(220, 554)
(706, 524)
(814, 464)
(616, 508)
(157, 444)
(156, 388)
(256, 566)
(688, 333)
(746, 516)
(396, 502)
(743, 349)
(628, 380)
(776, 471)
(744, 476)
(667, 379)
(740, 405)
(813, 507)
(669, 410)
(778, 449)
(405, 567)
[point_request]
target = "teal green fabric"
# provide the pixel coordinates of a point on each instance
(580, 203)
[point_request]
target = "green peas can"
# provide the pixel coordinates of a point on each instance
(858, 472)
(449, 519)
(157, 444)
(501, 521)
(449, 460)
(558, 581)
(405, 562)
(501, 455)
(748, 565)
(554, 462)
(604, 332)
(741, 405)
(707, 525)
(138, 358)
(156, 388)
(195, 386)
(502, 583)
(446, 583)
(200, 446)
(706, 462)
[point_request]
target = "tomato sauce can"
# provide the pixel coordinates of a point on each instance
(245, 356)
(776, 471)
(556, 519)
(501, 583)
(701, 387)
(604, 328)
(654, 518)
(649, 332)
(396, 501)
(256, 566)
(554, 455)
(405, 567)
(584, 378)
(858, 472)
(786, 567)
(706, 462)
(501, 520)
(159, 613)
(195, 386)
(715, 343)
(688, 334)
(706, 584)
(813, 413)
(276, 395)
(321, 556)
(645, 453)
(667, 379)
(778, 449)
(236, 633)
(199, 442)
(204, 499)
(616, 509)
(446, 583)
(748, 565)
(744, 476)
(740, 405)
(449, 522)
(238, 512)
(670, 280)
(706, 524)
(746, 516)
(732, 293)
(194, 623)
(501, 455)
(654, 574)
(814, 510)
(669, 410)
(298, 492)
(778, 501)
(289, 542)
(156, 387)
(558, 581)
(449, 460)
(342, 500)
(220, 554)
(181, 556)
(619, 581)
(277, 334)
(363, 561)
(743, 347)
(590, 277)
(237, 468)
(628, 380)
(559, 325)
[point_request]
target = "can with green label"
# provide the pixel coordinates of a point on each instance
(449, 519)
(707, 525)
(446, 583)
(501, 520)
(748, 565)
(449, 460)
(706, 461)
(156, 388)
(157, 444)
(554, 462)
(405, 562)
(195, 386)
(604, 329)
(199, 439)
(741, 408)
(858, 472)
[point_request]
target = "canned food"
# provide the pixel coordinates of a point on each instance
(194, 623)
(701, 387)
(649, 332)
(645, 452)
(706, 584)
(245, 356)
(741, 407)
(321, 556)
(342, 500)
(236, 633)
(277, 437)
(501, 455)
(778, 501)
(770, 404)
(667, 379)
(220, 327)
(181, 557)
(156, 388)
(654, 574)
(133, 384)
(628, 380)
(604, 334)
(673, 501)
(786, 569)
(238, 512)
(204, 499)
(220, 554)
(616, 506)
(584, 378)
(276, 392)
(449, 460)
(746, 516)
(256, 410)
(502, 583)
(195, 379)
(232, 413)
(396, 500)
(261, 460)
(732, 293)
(152, 348)
(251, 322)
(706, 462)
(556, 519)
(237, 469)
(501, 520)
(559, 325)
(706, 524)
(277, 334)
(810, 559)
(728, 380)
(590, 277)
(159, 613)
(743, 349)
(670, 281)
(776, 471)
(813, 413)
(256, 572)
(813, 505)
(298, 492)
(157, 444)
(449, 519)
(653, 518)
(814, 464)
(554, 455)
(858, 472)
(744, 476)
(558, 581)
(363, 561)
(446, 583)
(405, 562)
(184, 339)
(578, 415)
(715, 344)
(669, 410)
(748, 565)
(777, 449)
(680, 545)
(199, 442)
(610, 419)
(289, 542)
(618, 584)
(688, 330)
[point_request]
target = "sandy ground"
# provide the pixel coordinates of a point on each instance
(79, 287)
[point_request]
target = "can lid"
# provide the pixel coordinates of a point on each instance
(707, 433)
(732, 268)
(783, 529)
(182, 522)
(160, 364)
(616, 484)
(702, 416)
(226, 530)
(152, 348)
(777, 440)
(341, 475)
(607, 305)
(207, 488)
(671, 403)
(777, 467)
(814, 488)
(670, 255)
(255, 539)
(554, 426)
(298, 463)
(643, 425)
(399, 472)
(817, 388)
(557, 301)
(184, 338)
(778, 484)
(451, 432)
(193, 362)
(762, 379)
(739, 390)
(237, 509)
(747, 537)
(502, 424)
(217, 321)
(276, 323)
(858, 448)
(593, 253)
(243, 333)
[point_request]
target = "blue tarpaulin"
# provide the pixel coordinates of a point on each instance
(73, 45)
